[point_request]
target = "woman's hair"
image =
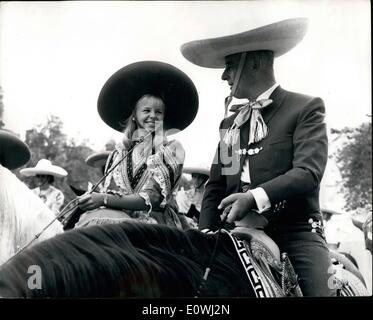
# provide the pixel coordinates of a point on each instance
(130, 125)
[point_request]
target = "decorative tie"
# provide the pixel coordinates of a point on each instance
(249, 111)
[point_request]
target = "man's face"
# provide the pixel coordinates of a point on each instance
(230, 71)
(41, 179)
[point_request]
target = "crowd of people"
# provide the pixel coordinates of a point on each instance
(268, 165)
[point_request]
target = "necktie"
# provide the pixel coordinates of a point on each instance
(248, 112)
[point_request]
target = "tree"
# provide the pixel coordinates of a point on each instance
(48, 141)
(355, 160)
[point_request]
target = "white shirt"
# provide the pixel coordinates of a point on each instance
(260, 196)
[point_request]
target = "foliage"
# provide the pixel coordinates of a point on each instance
(355, 160)
(48, 141)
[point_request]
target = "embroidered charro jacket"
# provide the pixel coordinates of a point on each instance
(288, 164)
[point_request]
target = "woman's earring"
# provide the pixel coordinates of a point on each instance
(133, 118)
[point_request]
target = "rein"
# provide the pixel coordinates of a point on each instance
(204, 278)
(74, 203)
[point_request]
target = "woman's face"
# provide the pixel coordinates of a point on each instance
(149, 110)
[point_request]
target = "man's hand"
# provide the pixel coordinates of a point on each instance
(239, 204)
(90, 201)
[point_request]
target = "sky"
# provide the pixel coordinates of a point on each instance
(56, 56)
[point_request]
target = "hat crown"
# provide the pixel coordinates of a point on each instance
(44, 163)
(14, 153)
(124, 88)
(44, 167)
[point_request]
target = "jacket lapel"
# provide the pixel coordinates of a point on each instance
(277, 96)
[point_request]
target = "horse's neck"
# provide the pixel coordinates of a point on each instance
(22, 215)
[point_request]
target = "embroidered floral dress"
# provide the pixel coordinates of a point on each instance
(153, 177)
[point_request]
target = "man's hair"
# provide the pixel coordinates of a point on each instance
(262, 59)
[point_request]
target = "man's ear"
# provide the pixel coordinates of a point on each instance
(255, 63)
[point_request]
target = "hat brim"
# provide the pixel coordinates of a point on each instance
(14, 153)
(279, 37)
(198, 170)
(124, 88)
(330, 212)
(55, 172)
(97, 160)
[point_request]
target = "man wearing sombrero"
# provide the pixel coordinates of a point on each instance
(45, 173)
(277, 140)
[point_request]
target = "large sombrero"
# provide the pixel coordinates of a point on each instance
(97, 159)
(14, 153)
(199, 170)
(44, 167)
(126, 86)
(279, 37)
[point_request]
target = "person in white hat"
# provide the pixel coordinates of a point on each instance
(138, 100)
(190, 201)
(272, 152)
(44, 173)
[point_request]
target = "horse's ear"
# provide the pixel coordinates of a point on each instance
(77, 191)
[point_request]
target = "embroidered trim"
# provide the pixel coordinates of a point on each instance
(145, 196)
(162, 167)
(254, 278)
(160, 175)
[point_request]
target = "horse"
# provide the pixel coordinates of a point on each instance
(23, 215)
(131, 259)
(134, 259)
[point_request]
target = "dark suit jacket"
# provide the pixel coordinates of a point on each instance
(289, 167)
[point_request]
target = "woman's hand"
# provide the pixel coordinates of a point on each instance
(90, 201)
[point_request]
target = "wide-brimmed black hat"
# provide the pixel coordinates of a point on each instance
(14, 153)
(125, 87)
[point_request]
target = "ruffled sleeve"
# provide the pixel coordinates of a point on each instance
(166, 168)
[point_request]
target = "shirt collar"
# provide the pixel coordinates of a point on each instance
(266, 94)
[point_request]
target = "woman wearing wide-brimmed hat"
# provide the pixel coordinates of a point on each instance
(142, 98)
(45, 173)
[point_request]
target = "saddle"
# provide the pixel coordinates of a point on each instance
(274, 267)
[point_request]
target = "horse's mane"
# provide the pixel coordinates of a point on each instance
(127, 259)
